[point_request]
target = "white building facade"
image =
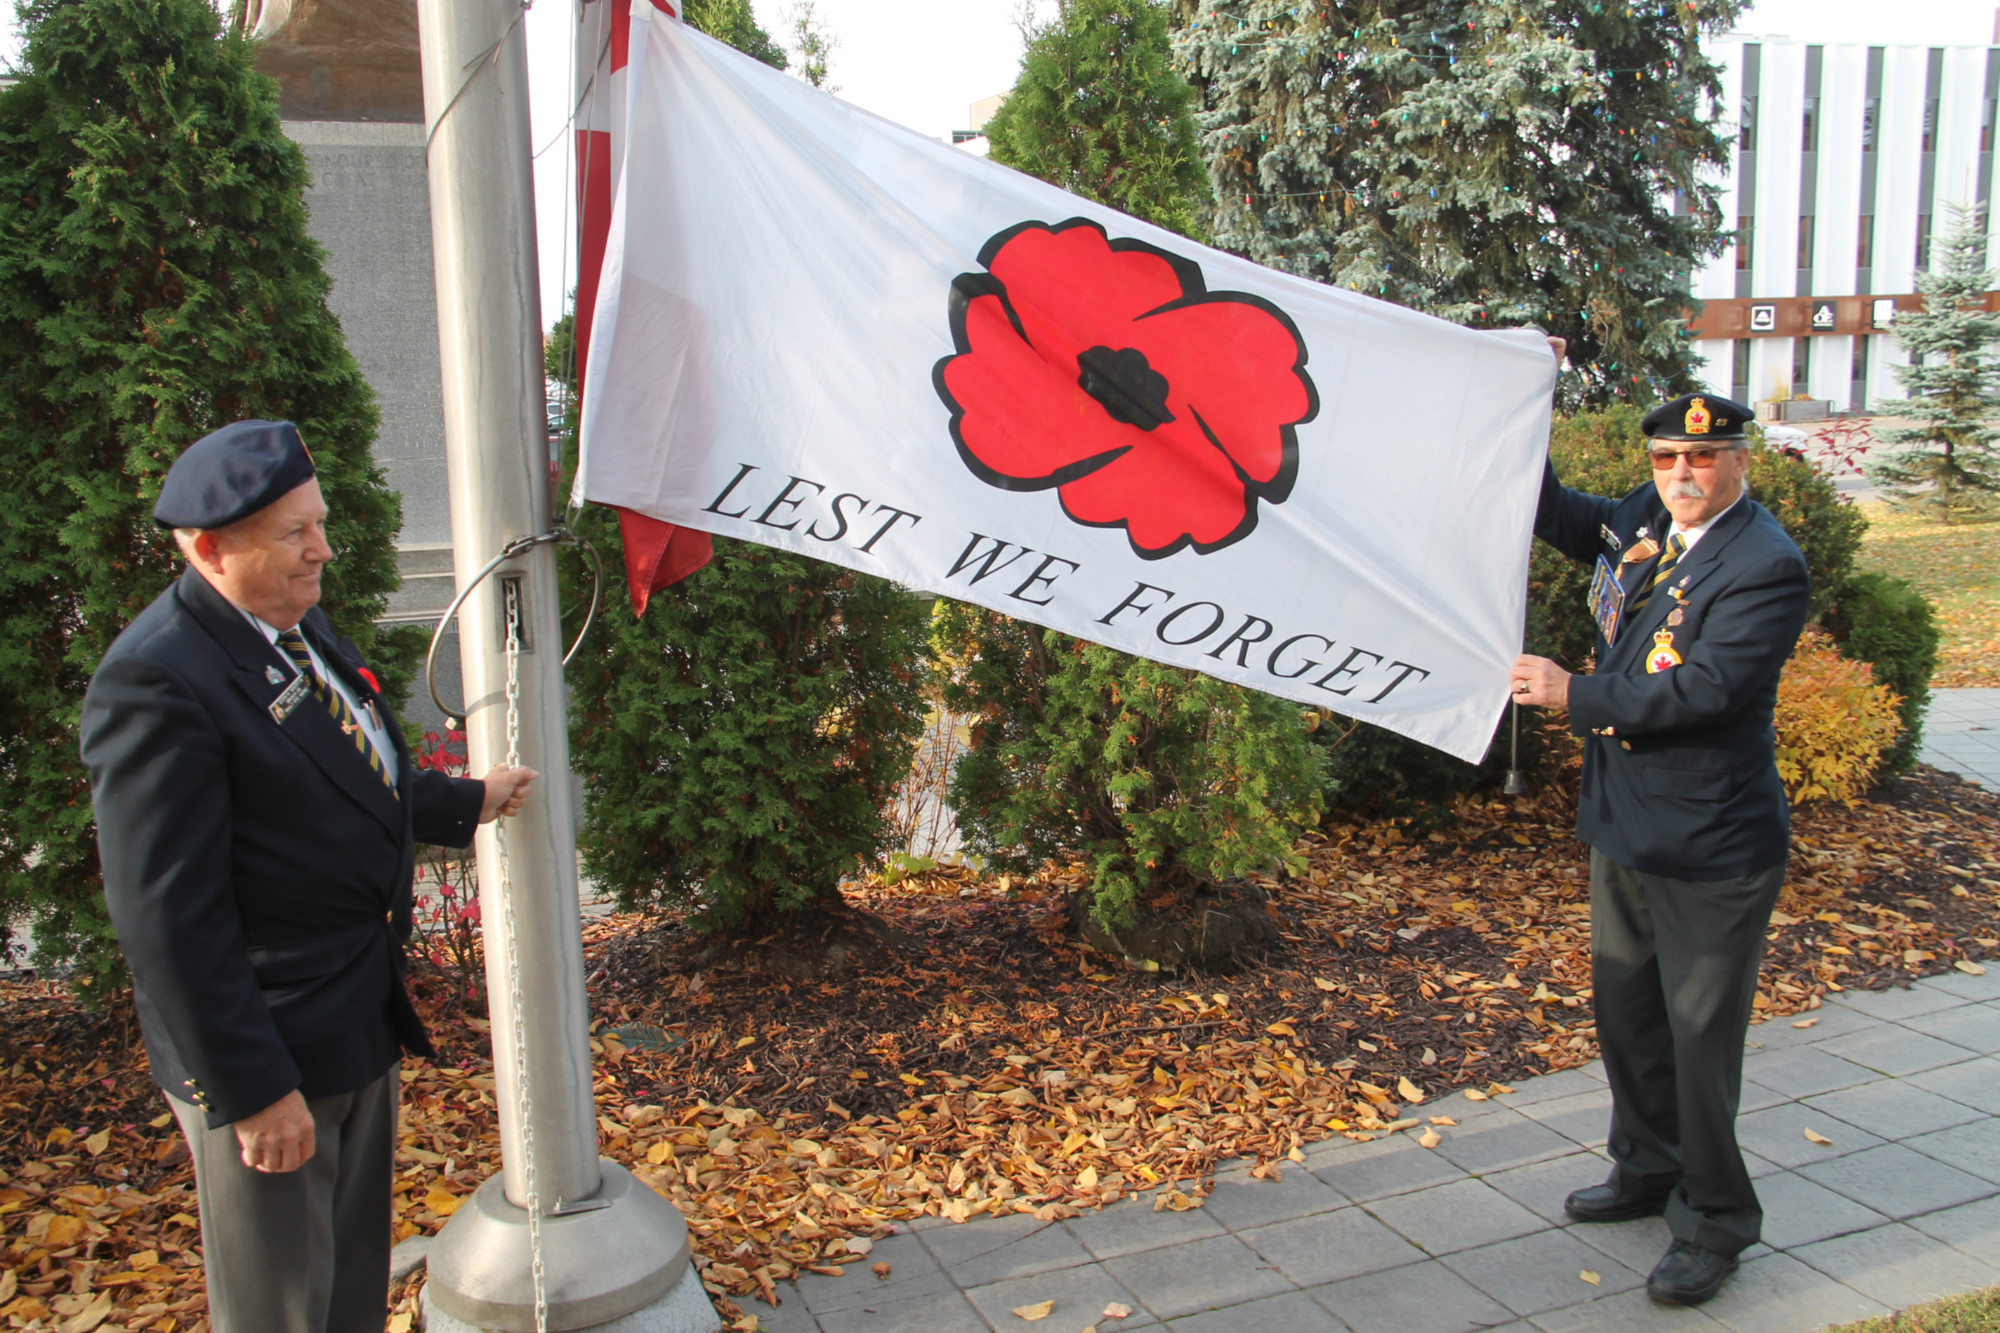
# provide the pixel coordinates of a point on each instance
(1846, 162)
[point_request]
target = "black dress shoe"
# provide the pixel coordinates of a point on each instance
(1603, 1203)
(1689, 1274)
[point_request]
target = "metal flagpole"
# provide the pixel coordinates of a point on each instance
(561, 1239)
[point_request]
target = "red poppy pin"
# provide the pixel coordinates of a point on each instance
(369, 676)
(1108, 370)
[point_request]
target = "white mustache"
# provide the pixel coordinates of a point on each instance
(1687, 490)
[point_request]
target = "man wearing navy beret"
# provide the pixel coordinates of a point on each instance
(257, 812)
(1699, 597)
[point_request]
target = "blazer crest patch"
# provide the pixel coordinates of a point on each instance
(1662, 657)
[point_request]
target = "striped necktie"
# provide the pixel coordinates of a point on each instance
(294, 644)
(1676, 547)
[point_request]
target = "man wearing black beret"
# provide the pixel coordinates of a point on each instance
(1699, 597)
(256, 814)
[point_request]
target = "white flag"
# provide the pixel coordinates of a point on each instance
(820, 331)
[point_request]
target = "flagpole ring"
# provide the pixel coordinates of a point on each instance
(559, 536)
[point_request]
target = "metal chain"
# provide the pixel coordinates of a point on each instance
(526, 1104)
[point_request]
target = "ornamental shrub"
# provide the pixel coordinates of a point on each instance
(1835, 724)
(156, 282)
(739, 743)
(1888, 624)
(1163, 780)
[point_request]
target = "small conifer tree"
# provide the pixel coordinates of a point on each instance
(739, 744)
(156, 282)
(1099, 110)
(1492, 162)
(1948, 462)
(1163, 780)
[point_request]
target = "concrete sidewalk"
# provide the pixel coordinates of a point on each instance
(1902, 1205)
(1962, 734)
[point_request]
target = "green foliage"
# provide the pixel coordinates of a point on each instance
(1834, 723)
(739, 743)
(735, 22)
(1493, 162)
(156, 282)
(1888, 624)
(813, 43)
(1163, 780)
(1949, 462)
(1099, 110)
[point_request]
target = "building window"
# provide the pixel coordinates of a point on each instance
(1923, 240)
(1871, 112)
(1930, 125)
(1743, 233)
(1806, 241)
(1810, 142)
(1864, 253)
(1859, 372)
(1739, 369)
(1746, 138)
(1801, 363)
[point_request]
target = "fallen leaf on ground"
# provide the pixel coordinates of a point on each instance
(859, 1245)
(1032, 1313)
(881, 1271)
(1588, 1276)
(1430, 1138)
(1117, 1310)
(1970, 968)
(1805, 1022)
(1814, 1136)
(1442, 1120)
(1411, 1093)
(1474, 1095)
(1498, 1089)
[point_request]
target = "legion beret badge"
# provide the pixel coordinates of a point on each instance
(1663, 657)
(1698, 418)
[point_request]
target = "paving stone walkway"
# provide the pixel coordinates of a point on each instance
(1902, 1205)
(1962, 734)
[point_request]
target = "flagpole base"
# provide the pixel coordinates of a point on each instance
(622, 1268)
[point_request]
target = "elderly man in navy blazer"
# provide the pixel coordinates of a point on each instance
(256, 815)
(1699, 597)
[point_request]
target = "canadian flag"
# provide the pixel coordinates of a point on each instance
(656, 553)
(817, 330)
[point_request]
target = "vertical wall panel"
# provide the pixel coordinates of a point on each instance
(1780, 125)
(1960, 94)
(1717, 278)
(1842, 99)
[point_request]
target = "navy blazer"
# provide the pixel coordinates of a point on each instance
(1679, 767)
(257, 871)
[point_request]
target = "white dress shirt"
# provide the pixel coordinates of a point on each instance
(377, 735)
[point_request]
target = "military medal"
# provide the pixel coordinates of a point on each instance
(1610, 537)
(1645, 548)
(1676, 616)
(275, 676)
(1663, 657)
(348, 728)
(1607, 599)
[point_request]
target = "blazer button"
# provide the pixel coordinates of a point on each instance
(1625, 745)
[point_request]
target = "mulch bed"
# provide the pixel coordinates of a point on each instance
(945, 1045)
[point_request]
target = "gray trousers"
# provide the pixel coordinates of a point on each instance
(306, 1251)
(1674, 964)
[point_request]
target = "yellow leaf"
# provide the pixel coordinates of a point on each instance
(1442, 1120)
(91, 1315)
(161, 1121)
(662, 1151)
(1087, 1178)
(1032, 1313)
(1409, 1091)
(1430, 1138)
(1498, 1089)
(1474, 1095)
(64, 1231)
(1117, 1310)
(1592, 1278)
(741, 1042)
(398, 1323)
(881, 1272)
(1282, 1029)
(1970, 968)
(441, 1201)
(98, 1142)
(1368, 1046)
(1805, 1022)
(1102, 976)
(1814, 1136)
(911, 1079)
(1324, 984)
(1296, 1156)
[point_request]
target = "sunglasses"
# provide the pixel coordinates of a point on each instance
(1664, 459)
